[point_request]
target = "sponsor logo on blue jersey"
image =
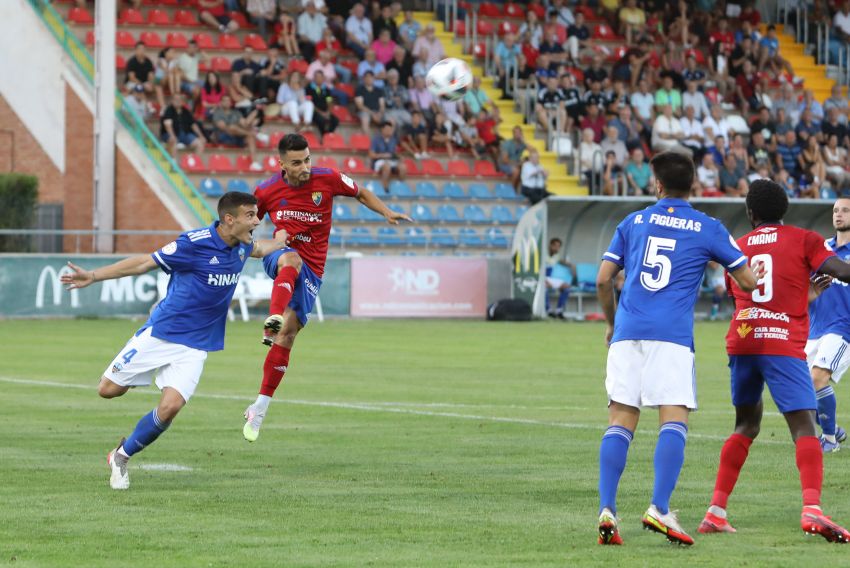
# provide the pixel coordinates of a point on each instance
(222, 279)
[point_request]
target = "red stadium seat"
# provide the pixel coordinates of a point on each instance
(326, 162)
(538, 9)
(334, 141)
(192, 163)
(489, 10)
(243, 163)
(590, 14)
(312, 140)
(480, 49)
(350, 64)
(228, 41)
(90, 38)
(617, 53)
(185, 18)
(204, 41)
(412, 167)
(713, 193)
(240, 19)
(256, 42)
(485, 168)
(125, 39)
(220, 64)
(431, 167)
(274, 139)
(270, 164)
(485, 28)
(346, 88)
(220, 163)
(80, 16)
(359, 142)
(158, 18)
(151, 39)
(298, 65)
(176, 39)
(604, 32)
(354, 165)
(460, 27)
(458, 168)
(131, 17)
(120, 63)
(342, 113)
(506, 27)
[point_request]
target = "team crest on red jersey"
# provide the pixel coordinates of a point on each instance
(317, 197)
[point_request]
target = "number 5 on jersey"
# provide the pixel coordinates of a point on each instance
(660, 268)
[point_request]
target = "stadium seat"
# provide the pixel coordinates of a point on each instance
(480, 49)
(204, 41)
(415, 236)
(220, 64)
(460, 28)
(342, 212)
(603, 32)
(453, 191)
(80, 16)
(485, 168)
(442, 237)
(366, 214)
(354, 165)
(397, 208)
(448, 213)
(361, 236)
(185, 18)
(421, 212)
(458, 168)
(389, 236)
(489, 10)
(327, 162)
(243, 163)
(412, 167)
(192, 163)
(474, 214)
(240, 19)
(130, 17)
(90, 38)
(374, 186)
(501, 214)
(513, 10)
(220, 163)
(496, 238)
(538, 9)
(359, 142)
(124, 39)
(334, 141)
(176, 40)
(828, 193)
(158, 18)
(342, 113)
(520, 211)
(256, 42)
(211, 187)
(239, 185)
(399, 188)
(469, 237)
(505, 191)
(152, 40)
(426, 189)
(586, 276)
(431, 167)
(120, 62)
(335, 237)
(346, 88)
(297, 65)
(479, 191)
(485, 28)
(312, 139)
(506, 27)
(229, 41)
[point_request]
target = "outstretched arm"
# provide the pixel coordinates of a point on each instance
(836, 268)
(132, 266)
(371, 201)
(605, 293)
(264, 247)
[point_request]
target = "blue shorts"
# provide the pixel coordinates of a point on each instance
(787, 378)
(187, 138)
(306, 286)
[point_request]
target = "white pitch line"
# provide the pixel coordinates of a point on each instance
(164, 467)
(371, 407)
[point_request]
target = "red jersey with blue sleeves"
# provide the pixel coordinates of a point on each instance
(305, 212)
(774, 318)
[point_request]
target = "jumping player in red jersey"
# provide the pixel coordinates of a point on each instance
(299, 199)
(766, 342)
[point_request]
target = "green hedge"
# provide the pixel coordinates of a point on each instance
(18, 200)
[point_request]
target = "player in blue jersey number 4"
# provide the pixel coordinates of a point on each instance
(172, 346)
(664, 250)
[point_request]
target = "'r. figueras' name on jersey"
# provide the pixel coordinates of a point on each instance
(672, 222)
(222, 279)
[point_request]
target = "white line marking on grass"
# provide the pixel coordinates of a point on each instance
(164, 467)
(373, 407)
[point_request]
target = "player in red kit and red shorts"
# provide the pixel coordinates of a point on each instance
(766, 342)
(300, 200)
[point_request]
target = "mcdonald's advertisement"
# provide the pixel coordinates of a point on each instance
(527, 253)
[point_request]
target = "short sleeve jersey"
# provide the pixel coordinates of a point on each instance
(204, 273)
(829, 312)
(774, 319)
(664, 249)
(305, 211)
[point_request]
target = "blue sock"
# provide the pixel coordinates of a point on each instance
(612, 461)
(826, 410)
(669, 457)
(562, 299)
(147, 430)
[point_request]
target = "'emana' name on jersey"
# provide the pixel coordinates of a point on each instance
(672, 222)
(762, 239)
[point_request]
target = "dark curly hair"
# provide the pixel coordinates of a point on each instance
(767, 201)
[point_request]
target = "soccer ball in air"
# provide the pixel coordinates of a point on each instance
(449, 79)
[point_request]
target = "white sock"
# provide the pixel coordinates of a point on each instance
(263, 402)
(122, 453)
(830, 439)
(717, 511)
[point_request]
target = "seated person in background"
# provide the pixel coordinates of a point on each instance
(533, 178)
(715, 278)
(233, 129)
(214, 14)
(590, 156)
(140, 71)
(294, 102)
(733, 178)
(560, 273)
(638, 174)
(667, 133)
(466, 136)
(319, 94)
(179, 128)
(370, 103)
(443, 132)
(415, 137)
(511, 155)
(384, 155)
(708, 174)
(486, 126)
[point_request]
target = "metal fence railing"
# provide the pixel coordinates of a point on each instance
(134, 124)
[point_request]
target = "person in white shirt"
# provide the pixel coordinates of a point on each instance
(358, 31)
(716, 125)
(839, 37)
(694, 98)
(643, 103)
(667, 133)
(708, 174)
(694, 136)
(533, 178)
(590, 155)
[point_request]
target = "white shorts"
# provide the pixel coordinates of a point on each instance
(829, 352)
(146, 358)
(651, 373)
(714, 282)
(555, 283)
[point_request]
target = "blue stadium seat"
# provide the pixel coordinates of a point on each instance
(426, 189)
(501, 214)
(374, 186)
(421, 212)
(474, 214)
(828, 193)
(586, 275)
(448, 213)
(399, 188)
(342, 212)
(366, 214)
(211, 187)
(397, 208)
(239, 185)
(496, 238)
(442, 238)
(480, 191)
(361, 236)
(453, 191)
(335, 237)
(469, 237)
(521, 211)
(505, 191)
(415, 236)
(389, 236)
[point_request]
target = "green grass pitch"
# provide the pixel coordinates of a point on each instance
(391, 443)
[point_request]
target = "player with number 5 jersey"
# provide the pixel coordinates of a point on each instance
(664, 250)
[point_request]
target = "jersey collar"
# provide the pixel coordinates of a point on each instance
(217, 238)
(833, 242)
(674, 202)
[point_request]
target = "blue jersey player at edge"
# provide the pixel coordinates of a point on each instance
(172, 345)
(663, 250)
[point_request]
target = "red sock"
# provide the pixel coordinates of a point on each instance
(284, 284)
(732, 458)
(273, 369)
(810, 464)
